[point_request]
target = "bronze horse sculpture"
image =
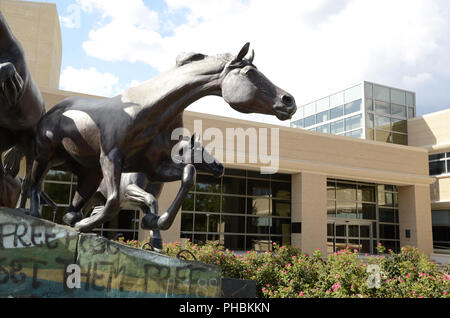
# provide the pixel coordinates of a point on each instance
(21, 104)
(100, 139)
(138, 192)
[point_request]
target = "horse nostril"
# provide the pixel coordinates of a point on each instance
(288, 100)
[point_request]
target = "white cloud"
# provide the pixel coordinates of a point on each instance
(89, 81)
(308, 48)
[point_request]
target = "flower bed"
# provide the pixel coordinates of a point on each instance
(286, 272)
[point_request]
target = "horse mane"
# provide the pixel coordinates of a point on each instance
(186, 58)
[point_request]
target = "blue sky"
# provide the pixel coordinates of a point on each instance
(309, 48)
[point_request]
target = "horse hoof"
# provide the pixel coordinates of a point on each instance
(150, 222)
(70, 218)
(157, 244)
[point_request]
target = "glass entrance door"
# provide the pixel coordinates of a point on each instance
(352, 234)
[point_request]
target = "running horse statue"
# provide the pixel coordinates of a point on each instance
(98, 140)
(21, 107)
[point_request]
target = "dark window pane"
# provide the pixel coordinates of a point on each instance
(188, 203)
(399, 125)
(330, 229)
(366, 193)
(233, 205)
(233, 185)
(281, 190)
(364, 231)
(331, 208)
(258, 187)
(281, 208)
(281, 226)
(437, 168)
(200, 222)
(59, 193)
(235, 172)
(207, 183)
(207, 203)
(234, 242)
(187, 221)
(258, 225)
(387, 231)
(353, 231)
(367, 211)
(436, 156)
(386, 215)
(199, 239)
(399, 139)
(341, 230)
(281, 176)
(234, 224)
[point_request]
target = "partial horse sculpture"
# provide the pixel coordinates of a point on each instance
(103, 138)
(21, 104)
(138, 192)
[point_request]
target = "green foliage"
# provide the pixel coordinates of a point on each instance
(286, 272)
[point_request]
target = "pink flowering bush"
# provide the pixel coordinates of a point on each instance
(286, 272)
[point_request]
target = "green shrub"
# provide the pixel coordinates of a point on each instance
(286, 272)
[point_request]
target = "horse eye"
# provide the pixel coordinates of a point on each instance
(247, 70)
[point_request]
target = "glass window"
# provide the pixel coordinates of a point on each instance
(337, 99)
(207, 202)
(353, 93)
(398, 97)
(331, 208)
(259, 243)
(387, 231)
(352, 107)
(281, 190)
(331, 190)
(386, 215)
(398, 111)
(337, 127)
(381, 93)
(366, 193)
(323, 104)
(367, 211)
(382, 108)
(188, 203)
(324, 129)
(310, 109)
(353, 122)
(258, 225)
(258, 206)
(399, 125)
(235, 242)
(410, 99)
(346, 191)
(258, 187)
(369, 121)
(297, 124)
(436, 156)
(337, 112)
(411, 113)
(437, 168)
(232, 185)
(232, 204)
(383, 136)
(321, 117)
(368, 90)
(369, 105)
(399, 139)
(355, 133)
(207, 183)
(310, 121)
(233, 224)
(281, 208)
(383, 122)
(280, 226)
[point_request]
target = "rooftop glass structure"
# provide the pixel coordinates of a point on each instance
(366, 110)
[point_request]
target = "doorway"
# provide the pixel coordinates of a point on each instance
(353, 234)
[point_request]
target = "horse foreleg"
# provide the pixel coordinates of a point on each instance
(168, 173)
(111, 165)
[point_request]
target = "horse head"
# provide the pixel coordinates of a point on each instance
(247, 90)
(191, 150)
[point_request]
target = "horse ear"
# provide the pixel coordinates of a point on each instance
(251, 57)
(243, 52)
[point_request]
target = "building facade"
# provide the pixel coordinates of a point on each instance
(329, 191)
(366, 110)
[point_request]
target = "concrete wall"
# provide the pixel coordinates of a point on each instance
(36, 26)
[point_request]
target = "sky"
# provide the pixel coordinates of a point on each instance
(308, 48)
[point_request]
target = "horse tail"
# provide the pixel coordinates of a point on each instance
(12, 160)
